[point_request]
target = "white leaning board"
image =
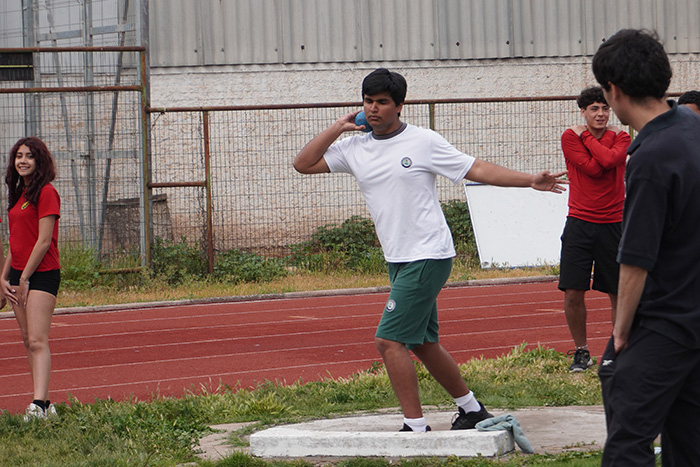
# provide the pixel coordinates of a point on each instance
(516, 226)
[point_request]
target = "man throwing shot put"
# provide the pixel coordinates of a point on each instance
(395, 167)
(595, 155)
(650, 370)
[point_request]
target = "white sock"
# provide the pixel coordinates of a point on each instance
(468, 402)
(416, 424)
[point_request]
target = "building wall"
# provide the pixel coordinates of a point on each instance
(238, 52)
(239, 32)
(317, 83)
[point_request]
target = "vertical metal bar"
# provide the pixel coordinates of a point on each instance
(207, 175)
(145, 142)
(120, 63)
(112, 129)
(66, 125)
(145, 167)
(32, 101)
(103, 211)
(90, 126)
(431, 111)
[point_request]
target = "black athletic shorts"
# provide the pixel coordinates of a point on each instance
(46, 281)
(586, 247)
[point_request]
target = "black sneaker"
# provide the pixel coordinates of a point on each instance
(408, 428)
(582, 360)
(468, 420)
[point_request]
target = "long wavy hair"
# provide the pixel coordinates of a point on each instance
(44, 174)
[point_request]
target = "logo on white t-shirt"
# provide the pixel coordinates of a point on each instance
(406, 162)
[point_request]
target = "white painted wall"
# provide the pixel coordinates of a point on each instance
(315, 83)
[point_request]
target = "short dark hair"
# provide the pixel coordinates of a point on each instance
(383, 80)
(690, 97)
(635, 61)
(590, 95)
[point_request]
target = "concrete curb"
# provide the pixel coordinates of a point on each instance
(279, 296)
(550, 430)
(375, 435)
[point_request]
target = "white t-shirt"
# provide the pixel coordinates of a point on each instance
(397, 179)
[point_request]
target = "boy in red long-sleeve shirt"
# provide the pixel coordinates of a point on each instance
(595, 156)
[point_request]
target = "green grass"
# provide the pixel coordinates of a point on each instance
(137, 287)
(164, 431)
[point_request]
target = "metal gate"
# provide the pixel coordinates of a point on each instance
(76, 75)
(92, 121)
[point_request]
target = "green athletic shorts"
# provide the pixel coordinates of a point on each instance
(410, 315)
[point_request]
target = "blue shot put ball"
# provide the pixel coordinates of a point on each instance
(360, 120)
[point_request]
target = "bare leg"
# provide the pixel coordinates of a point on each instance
(402, 374)
(575, 311)
(442, 367)
(35, 322)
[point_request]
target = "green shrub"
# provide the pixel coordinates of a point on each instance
(353, 246)
(79, 266)
(354, 235)
(457, 216)
(240, 266)
(176, 262)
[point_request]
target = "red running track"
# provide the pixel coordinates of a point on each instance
(138, 353)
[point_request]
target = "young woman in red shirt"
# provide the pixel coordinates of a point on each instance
(31, 273)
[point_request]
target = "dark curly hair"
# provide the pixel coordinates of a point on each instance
(635, 61)
(690, 97)
(589, 96)
(44, 174)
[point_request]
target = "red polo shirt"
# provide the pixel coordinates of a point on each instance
(24, 229)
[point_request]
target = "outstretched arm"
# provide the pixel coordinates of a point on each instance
(493, 174)
(310, 158)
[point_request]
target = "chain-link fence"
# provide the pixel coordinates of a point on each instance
(221, 178)
(86, 104)
(225, 176)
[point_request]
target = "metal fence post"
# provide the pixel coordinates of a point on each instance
(207, 179)
(147, 227)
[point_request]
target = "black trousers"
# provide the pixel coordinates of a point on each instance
(651, 387)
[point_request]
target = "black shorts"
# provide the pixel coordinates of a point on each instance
(586, 247)
(46, 281)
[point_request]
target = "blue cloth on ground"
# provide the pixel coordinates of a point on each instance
(510, 424)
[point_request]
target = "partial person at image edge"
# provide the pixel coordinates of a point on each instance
(650, 370)
(31, 274)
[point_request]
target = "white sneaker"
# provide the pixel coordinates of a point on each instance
(34, 412)
(51, 411)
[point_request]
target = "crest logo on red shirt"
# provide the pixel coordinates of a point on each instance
(24, 206)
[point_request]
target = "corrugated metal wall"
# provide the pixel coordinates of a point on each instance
(234, 32)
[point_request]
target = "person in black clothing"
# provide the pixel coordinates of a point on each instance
(650, 370)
